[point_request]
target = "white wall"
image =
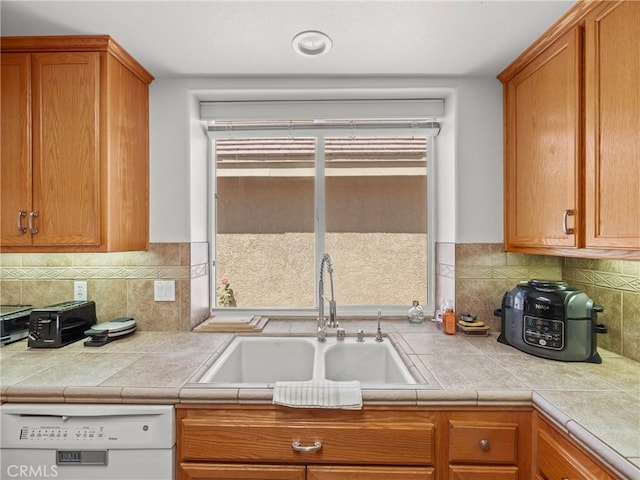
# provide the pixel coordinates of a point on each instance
(469, 148)
(169, 181)
(479, 149)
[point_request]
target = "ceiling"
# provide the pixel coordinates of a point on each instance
(253, 38)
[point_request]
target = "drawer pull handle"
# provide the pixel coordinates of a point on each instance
(484, 445)
(317, 446)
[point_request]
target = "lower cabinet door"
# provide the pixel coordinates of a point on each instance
(369, 473)
(221, 471)
(473, 472)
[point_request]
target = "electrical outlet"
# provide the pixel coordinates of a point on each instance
(80, 291)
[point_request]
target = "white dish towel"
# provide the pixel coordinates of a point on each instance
(318, 394)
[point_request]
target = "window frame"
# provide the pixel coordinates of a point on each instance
(320, 220)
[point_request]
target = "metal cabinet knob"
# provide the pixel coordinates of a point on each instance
(484, 445)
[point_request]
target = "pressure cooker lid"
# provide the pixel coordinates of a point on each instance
(548, 285)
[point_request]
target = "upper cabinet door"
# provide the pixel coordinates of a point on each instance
(612, 124)
(66, 148)
(15, 148)
(542, 148)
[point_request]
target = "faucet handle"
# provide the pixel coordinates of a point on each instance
(360, 335)
(340, 334)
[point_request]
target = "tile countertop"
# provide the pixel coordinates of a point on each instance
(598, 405)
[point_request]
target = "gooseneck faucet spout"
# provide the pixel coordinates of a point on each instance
(322, 321)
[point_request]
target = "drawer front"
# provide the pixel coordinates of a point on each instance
(188, 471)
(269, 435)
(370, 473)
(483, 443)
(466, 472)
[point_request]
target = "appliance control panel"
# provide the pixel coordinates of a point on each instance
(544, 332)
(39, 432)
(87, 434)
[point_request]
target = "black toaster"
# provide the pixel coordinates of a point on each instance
(14, 323)
(60, 324)
(549, 319)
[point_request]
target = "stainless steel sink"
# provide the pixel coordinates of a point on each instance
(272, 359)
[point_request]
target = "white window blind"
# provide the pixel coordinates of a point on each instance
(419, 108)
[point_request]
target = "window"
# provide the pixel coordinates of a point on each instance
(287, 192)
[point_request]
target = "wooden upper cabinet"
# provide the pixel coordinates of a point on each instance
(75, 146)
(572, 136)
(542, 133)
(612, 122)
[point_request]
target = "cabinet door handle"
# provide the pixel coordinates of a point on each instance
(33, 215)
(484, 445)
(21, 215)
(317, 446)
(565, 227)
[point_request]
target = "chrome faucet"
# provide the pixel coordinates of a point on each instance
(322, 321)
(379, 332)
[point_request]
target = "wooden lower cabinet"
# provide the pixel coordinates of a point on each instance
(267, 442)
(556, 457)
(273, 442)
(485, 444)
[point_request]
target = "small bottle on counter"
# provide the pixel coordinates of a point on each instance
(449, 320)
(416, 314)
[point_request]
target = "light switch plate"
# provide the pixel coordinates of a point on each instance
(164, 290)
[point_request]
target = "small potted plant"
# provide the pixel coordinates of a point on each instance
(225, 294)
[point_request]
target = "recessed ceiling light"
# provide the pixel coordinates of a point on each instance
(311, 43)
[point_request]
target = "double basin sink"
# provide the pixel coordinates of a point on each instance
(272, 359)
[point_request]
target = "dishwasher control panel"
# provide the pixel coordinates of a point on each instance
(89, 433)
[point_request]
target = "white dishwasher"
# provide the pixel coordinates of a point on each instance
(82, 442)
